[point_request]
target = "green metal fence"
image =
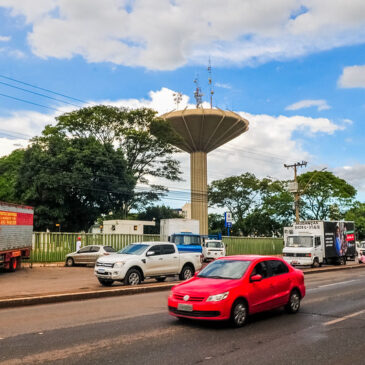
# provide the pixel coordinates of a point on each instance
(53, 247)
(251, 245)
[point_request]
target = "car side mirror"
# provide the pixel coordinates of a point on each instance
(150, 253)
(256, 277)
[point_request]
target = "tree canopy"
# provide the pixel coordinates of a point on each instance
(357, 214)
(322, 192)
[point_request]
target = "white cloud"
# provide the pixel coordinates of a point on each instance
(165, 34)
(223, 86)
(353, 76)
(4, 38)
(354, 175)
(347, 121)
(320, 104)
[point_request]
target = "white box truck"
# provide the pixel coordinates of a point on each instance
(316, 242)
(183, 232)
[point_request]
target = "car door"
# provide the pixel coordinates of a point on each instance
(170, 259)
(94, 254)
(261, 292)
(81, 257)
(154, 261)
(281, 282)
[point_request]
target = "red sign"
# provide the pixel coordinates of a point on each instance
(351, 237)
(15, 219)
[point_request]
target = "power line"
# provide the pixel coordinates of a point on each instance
(29, 102)
(44, 89)
(39, 94)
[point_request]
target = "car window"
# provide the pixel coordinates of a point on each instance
(278, 267)
(156, 249)
(109, 249)
(84, 249)
(261, 269)
(168, 249)
(95, 249)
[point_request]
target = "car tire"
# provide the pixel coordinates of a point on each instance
(239, 313)
(161, 279)
(105, 282)
(186, 273)
(293, 305)
(133, 277)
(70, 262)
(316, 263)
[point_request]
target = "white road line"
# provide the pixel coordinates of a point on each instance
(334, 284)
(344, 318)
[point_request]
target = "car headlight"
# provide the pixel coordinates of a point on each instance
(218, 297)
(118, 265)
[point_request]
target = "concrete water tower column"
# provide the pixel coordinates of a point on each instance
(199, 189)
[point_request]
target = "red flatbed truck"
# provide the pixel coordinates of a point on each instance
(16, 230)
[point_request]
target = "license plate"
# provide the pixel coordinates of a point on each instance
(101, 271)
(185, 307)
(295, 262)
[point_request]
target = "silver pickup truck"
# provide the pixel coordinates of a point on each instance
(138, 261)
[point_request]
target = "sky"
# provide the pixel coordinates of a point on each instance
(295, 69)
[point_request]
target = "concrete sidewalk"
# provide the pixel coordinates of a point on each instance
(41, 284)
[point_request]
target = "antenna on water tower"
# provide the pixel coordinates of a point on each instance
(198, 93)
(211, 91)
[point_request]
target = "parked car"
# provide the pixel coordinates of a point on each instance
(233, 287)
(138, 261)
(212, 249)
(88, 255)
(360, 249)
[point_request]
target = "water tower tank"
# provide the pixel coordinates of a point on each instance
(201, 131)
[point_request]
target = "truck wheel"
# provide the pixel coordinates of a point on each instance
(70, 262)
(294, 302)
(187, 272)
(105, 282)
(316, 263)
(342, 260)
(160, 279)
(239, 313)
(133, 277)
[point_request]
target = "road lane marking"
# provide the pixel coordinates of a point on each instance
(344, 318)
(333, 284)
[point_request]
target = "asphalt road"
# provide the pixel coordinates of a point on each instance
(137, 330)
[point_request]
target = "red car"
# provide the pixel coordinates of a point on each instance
(232, 287)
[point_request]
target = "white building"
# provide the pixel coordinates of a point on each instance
(125, 226)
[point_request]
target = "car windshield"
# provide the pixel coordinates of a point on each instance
(135, 249)
(186, 240)
(225, 269)
(215, 244)
(299, 241)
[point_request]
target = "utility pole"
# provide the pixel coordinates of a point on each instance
(295, 189)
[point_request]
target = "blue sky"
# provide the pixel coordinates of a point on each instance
(295, 69)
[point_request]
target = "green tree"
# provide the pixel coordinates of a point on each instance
(357, 214)
(216, 223)
(156, 213)
(9, 167)
(322, 190)
(145, 140)
(72, 181)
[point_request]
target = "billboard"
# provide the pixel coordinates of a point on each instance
(339, 239)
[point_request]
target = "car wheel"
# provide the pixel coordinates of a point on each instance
(133, 277)
(105, 282)
(316, 263)
(187, 272)
(70, 262)
(239, 313)
(160, 279)
(294, 302)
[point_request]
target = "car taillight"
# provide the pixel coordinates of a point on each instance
(308, 255)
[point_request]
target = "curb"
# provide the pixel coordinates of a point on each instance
(67, 297)
(149, 288)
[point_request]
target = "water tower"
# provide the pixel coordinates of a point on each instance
(201, 131)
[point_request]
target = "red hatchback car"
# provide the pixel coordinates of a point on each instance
(232, 287)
